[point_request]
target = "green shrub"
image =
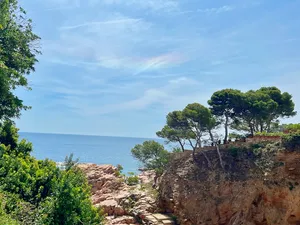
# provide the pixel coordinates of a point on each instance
(291, 141)
(132, 179)
(268, 134)
(70, 203)
(176, 150)
(37, 192)
(119, 171)
(293, 128)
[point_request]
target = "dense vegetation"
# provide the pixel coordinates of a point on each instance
(246, 113)
(31, 191)
(255, 112)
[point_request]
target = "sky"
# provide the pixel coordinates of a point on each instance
(117, 67)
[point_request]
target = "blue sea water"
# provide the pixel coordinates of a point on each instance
(89, 149)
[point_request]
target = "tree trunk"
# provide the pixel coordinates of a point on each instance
(251, 129)
(211, 136)
(261, 127)
(182, 146)
(194, 154)
(207, 159)
(226, 128)
(220, 157)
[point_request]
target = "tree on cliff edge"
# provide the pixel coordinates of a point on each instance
(225, 104)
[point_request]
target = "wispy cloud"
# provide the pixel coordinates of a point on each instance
(156, 5)
(168, 95)
(112, 44)
(209, 11)
(224, 8)
(97, 23)
(62, 4)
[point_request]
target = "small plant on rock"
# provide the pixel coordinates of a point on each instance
(132, 179)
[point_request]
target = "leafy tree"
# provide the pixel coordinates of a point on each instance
(176, 129)
(152, 155)
(226, 104)
(173, 135)
(9, 134)
(285, 105)
(18, 51)
(262, 108)
(255, 109)
(200, 123)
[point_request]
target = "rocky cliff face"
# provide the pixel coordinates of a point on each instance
(241, 193)
(121, 203)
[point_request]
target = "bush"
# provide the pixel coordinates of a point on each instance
(268, 134)
(37, 192)
(70, 203)
(234, 151)
(119, 170)
(132, 179)
(265, 156)
(291, 141)
(292, 128)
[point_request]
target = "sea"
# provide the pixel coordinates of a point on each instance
(88, 149)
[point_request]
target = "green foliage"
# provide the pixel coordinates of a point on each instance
(69, 162)
(17, 172)
(291, 141)
(260, 110)
(18, 51)
(70, 203)
(189, 125)
(265, 156)
(226, 104)
(199, 118)
(119, 170)
(5, 218)
(268, 134)
(174, 134)
(37, 192)
(234, 151)
(176, 150)
(292, 128)
(152, 155)
(9, 134)
(132, 179)
(176, 129)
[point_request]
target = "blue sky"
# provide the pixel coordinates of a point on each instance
(117, 67)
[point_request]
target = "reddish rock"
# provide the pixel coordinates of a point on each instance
(239, 194)
(118, 200)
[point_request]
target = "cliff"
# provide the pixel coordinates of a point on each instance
(123, 204)
(251, 189)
